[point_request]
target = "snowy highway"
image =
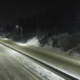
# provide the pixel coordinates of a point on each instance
(58, 62)
(15, 66)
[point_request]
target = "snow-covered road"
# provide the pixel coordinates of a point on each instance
(15, 66)
(60, 62)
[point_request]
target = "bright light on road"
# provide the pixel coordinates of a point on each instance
(5, 39)
(21, 44)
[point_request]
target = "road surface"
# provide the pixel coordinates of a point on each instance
(59, 62)
(15, 66)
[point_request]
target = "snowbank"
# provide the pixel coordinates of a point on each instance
(62, 43)
(34, 42)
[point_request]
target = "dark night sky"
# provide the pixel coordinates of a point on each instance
(12, 10)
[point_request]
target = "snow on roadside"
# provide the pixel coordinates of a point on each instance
(76, 54)
(34, 42)
(49, 46)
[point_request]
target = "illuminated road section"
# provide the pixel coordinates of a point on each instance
(15, 66)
